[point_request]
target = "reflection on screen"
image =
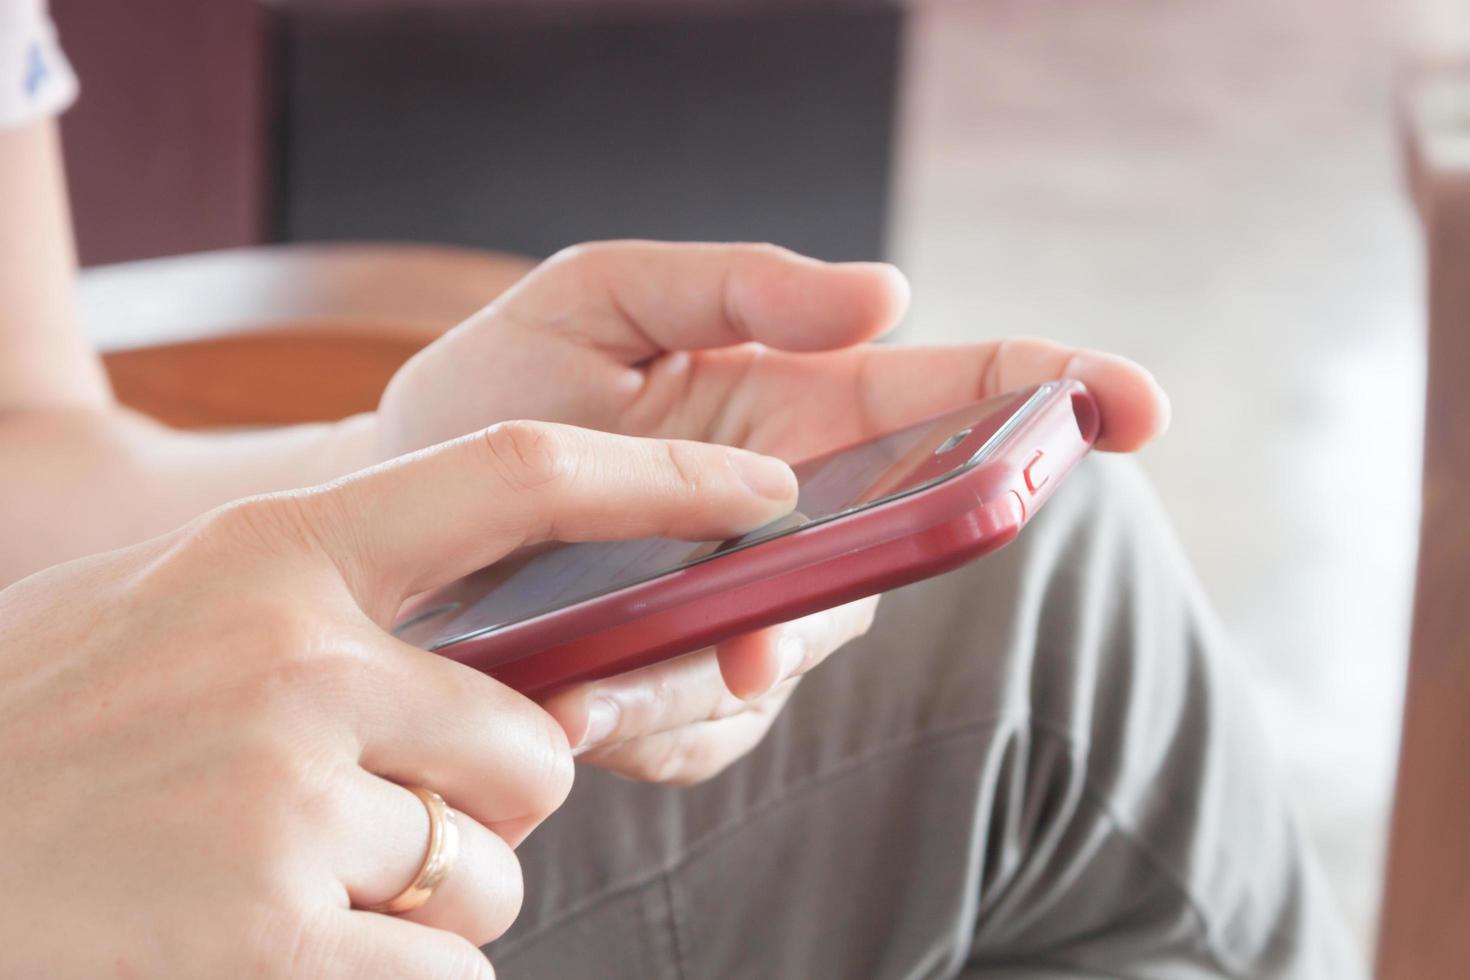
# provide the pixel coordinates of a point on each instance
(829, 486)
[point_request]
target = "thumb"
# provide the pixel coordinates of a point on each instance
(432, 516)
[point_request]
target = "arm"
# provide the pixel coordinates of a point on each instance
(43, 360)
(96, 475)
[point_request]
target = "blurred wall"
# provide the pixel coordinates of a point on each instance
(165, 149)
(527, 127)
(499, 123)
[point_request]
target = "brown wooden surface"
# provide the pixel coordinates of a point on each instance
(1426, 917)
(278, 335)
(291, 376)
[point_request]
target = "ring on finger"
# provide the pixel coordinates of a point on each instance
(439, 856)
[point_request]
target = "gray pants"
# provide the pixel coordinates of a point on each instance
(1038, 766)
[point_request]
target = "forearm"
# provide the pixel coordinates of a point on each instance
(44, 360)
(79, 481)
(80, 473)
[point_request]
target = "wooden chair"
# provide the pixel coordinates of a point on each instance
(1425, 929)
(279, 334)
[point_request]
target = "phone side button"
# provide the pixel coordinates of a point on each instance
(1035, 473)
(1020, 503)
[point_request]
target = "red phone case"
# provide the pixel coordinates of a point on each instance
(889, 544)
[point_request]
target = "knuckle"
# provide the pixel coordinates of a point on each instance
(567, 254)
(320, 807)
(287, 758)
(282, 633)
(319, 527)
(685, 466)
(551, 767)
(518, 737)
(994, 373)
(671, 768)
(767, 250)
(581, 253)
(703, 760)
(525, 741)
(529, 457)
(310, 669)
(658, 707)
(294, 657)
(278, 521)
(667, 763)
(265, 650)
(575, 269)
(288, 791)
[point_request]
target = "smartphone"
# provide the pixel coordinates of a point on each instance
(904, 506)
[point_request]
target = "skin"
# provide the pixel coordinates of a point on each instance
(229, 668)
(747, 345)
(192, 782)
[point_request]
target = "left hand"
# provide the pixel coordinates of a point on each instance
(745, 345)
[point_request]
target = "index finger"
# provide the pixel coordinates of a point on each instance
(443, 512)
(636, 299)
(879, 388)
(904, 385)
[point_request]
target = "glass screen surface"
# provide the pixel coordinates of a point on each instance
(830, 486)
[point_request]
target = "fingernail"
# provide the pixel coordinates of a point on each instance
(602, 718)
(768, 477)
(790, 657)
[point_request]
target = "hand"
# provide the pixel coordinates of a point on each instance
(205, 739)
(678, 722)
(747, 345)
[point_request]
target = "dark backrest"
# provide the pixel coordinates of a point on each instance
(529, 126)
(518, 126)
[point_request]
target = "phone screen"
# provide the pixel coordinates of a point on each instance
(830, 486)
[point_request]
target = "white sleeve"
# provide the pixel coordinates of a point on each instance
(35, 79)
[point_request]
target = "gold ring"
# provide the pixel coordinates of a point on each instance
(439, 856)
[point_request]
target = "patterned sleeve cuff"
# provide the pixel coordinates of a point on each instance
(35, 79)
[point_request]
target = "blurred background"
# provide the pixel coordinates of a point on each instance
(1210, 187)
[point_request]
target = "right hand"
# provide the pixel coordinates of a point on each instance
(204, 739)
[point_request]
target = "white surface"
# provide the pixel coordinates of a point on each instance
(1210, 187)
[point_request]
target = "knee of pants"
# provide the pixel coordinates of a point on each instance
(1108, 694)
(1090, 608)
